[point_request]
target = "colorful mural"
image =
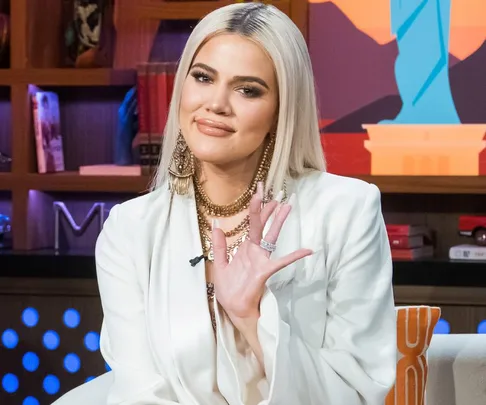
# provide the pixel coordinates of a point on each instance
(401, 85)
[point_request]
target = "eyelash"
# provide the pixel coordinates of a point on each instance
(248, 91)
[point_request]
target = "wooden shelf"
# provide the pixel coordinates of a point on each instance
(190, 10)
(68, 77)
(428, 184)
(6, 181)
(72, 181)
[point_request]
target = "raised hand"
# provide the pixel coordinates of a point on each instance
(239, 285)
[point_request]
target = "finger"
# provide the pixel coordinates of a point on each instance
(277, 224)
(267, 211)
(219, 245)
(281, 263)
(256, 226)
(271, 208)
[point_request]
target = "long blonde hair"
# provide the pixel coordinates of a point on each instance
(297, 146)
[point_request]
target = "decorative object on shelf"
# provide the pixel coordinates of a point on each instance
(4, 39)
(410, 242)
(127, 129)
(47, 128)
(5, 229)
(90, 36)
(60, 209)
(471, 226)
(5, 162)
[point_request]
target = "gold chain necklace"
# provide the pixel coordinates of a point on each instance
(243, 201)
(233, 232)
(230, 250)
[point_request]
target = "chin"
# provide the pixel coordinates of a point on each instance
(216, 156)
(211, 149)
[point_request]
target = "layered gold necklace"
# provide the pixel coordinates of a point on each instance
(206, 208)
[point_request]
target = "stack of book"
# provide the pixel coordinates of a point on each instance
(410, 242)
(155, 82)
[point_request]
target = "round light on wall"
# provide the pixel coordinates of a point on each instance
(10, 339)
(72, 363)
(51, 340)
(71, 318)
(92, 341)
(30, 361)
(482, 327)
(30, 401)
(442, 327)
(10, 383)
(30, 317)
(51, 384)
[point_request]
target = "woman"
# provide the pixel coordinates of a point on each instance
(248, 275)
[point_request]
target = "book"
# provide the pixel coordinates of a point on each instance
(467, 252)
(110, 170)
(47, 129)
(405, 241)
(406, 229)
(423, 252)
(155, 83)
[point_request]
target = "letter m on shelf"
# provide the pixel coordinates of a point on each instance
(60, 209)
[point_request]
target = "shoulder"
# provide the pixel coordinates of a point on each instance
(136, 214)
(141, 207)
(339, 193)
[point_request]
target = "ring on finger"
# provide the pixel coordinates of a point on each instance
(269, 247)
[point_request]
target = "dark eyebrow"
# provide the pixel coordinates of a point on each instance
(236, 78)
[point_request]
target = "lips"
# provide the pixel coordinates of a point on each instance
(213, 128)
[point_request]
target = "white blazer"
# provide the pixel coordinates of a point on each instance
(327, 326)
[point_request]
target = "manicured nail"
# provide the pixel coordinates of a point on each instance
(279, 196)
(291, 199)
(215, 223)
(260, 189)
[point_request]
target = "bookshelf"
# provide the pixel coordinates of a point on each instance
(35, 60)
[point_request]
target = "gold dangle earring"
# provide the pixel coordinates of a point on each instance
(181, 167)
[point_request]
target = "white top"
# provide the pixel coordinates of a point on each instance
(327, 325)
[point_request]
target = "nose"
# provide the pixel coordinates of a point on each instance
(218, 101)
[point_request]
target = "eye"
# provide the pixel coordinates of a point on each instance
(201, 77)
(250, 91)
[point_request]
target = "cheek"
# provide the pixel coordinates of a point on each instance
(190, 98)
(255, 116)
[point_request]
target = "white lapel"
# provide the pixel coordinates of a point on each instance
(185, 329)
(192, 337)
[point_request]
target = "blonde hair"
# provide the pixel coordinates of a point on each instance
(297, 146)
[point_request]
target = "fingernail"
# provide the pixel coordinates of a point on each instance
(215, 223)
(291, 199)
(279, 196)
(260, 189)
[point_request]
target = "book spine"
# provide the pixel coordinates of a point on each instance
(162, 91)
(153, 103)
(41, 157)
(143, 118)
(405, 242)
